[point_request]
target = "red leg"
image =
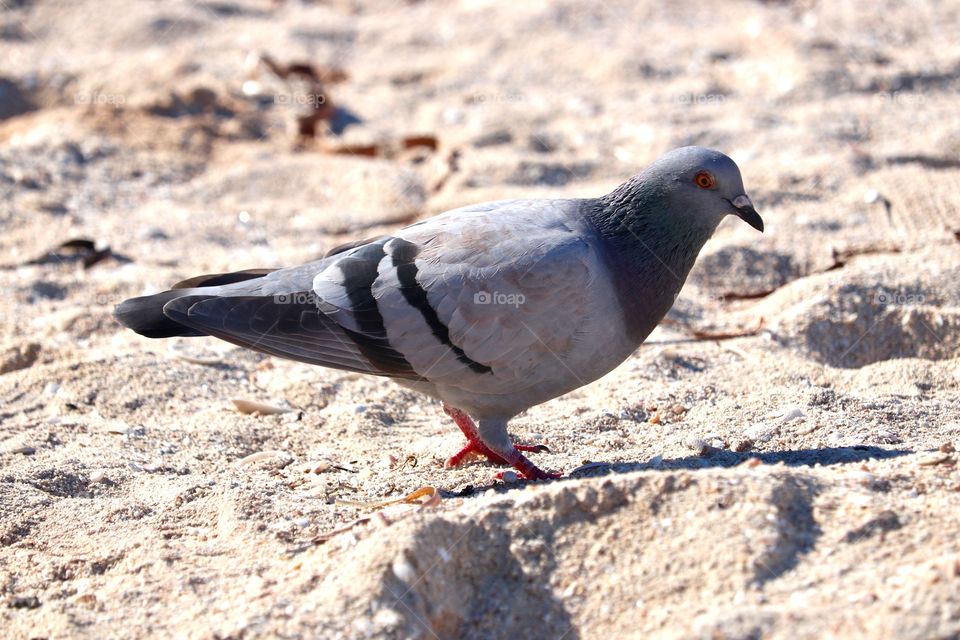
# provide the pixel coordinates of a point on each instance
(476, 446)
(474, 443)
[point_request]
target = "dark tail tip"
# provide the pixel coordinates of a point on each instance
(145, 316)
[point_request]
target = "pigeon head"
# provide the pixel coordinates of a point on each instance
(687, 189)
(654, 225)
(702, 186)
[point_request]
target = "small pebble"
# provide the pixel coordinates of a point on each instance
(25, 450)
(806, 429)
(509, 476)
(135, 432)
(743, 445)
(699, 445)
(387, 619)
(717, 442)
(98, 476)
(403, 570)
(759, 432)
(947, 447)
(788, 414)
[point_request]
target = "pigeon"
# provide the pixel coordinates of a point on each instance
(490, 308)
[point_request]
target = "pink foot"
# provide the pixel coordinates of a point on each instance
(475, 446)
(530, 471)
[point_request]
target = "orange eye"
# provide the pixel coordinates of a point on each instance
(705, 181)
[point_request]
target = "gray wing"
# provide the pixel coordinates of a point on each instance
(477, 298)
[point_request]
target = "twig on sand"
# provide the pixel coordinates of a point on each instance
(701, 334)
(430, 493)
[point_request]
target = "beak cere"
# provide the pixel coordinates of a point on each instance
(747, 213)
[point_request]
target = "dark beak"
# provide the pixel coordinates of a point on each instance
(747, 213)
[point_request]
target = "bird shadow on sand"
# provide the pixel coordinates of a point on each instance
(713, 458)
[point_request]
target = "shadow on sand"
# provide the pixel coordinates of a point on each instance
(723, 458)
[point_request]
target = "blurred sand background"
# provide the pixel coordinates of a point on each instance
(777, 462)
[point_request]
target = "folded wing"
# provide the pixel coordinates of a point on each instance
(479, 298)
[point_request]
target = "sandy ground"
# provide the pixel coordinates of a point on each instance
(797, 481)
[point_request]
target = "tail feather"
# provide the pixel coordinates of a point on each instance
(220, 279)
(145, 316)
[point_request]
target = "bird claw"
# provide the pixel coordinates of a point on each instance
(532, 473)
(532, 448)
(474, 448)
(526, 470)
